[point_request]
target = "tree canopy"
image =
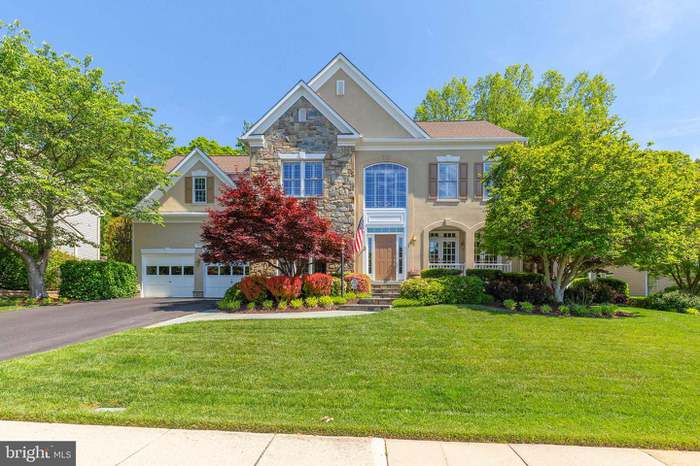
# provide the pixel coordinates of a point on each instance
(68, 144)
(209, 146)
(259, 224)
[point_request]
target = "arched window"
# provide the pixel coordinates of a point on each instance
(385, 186)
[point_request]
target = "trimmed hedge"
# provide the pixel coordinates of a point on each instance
(485, 274)
(437, 273)
(677, 301)
(445, 290)
(93, 280)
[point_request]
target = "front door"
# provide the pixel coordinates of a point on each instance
(385, 257)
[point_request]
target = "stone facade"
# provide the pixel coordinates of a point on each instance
(317, 135)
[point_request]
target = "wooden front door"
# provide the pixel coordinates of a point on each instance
(385, 257)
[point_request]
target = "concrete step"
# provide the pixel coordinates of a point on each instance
(375, 300)
(386, 295)
(364, 307)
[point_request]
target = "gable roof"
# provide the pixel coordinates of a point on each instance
(341, 62)
(229, 164)
(181, 165)
(301, 89)
(465, 129)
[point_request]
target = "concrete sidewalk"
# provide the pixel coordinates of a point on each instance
(200, 317)
(111, 445)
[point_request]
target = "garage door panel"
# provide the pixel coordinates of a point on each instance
(219, 278)
(168, 275)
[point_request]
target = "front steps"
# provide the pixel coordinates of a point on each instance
(382, 296)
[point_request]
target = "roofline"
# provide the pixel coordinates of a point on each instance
(371, 89)
(281, 106)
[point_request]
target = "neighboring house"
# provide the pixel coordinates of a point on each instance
(339, 139)
(88, 225)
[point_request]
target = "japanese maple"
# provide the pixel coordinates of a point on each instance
(258, 223)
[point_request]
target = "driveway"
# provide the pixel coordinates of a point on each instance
(44, 328)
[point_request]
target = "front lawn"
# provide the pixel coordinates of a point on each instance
(440, 372)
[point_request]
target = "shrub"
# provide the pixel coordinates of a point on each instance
(91, 280)
(437, 273)
(282, 305)
(13, 272)
(350, 295)
(692, 311)
(282, 287)
(326, 302)
(234, 293)
(520, 287)
(426, 290)
(578, 310)
(485, 274)
(296, 303)
(318, 284)
(268, 304)
(602, 290)
(364, 295)
(677, 301)
(405, 302)
(527, 307)
(564, 310)
(229, 304)
(463, 290)
(488, 299)
(510, 304)
(522, 278)
(311, 301)
(638, 301)
(253, 288)
(546, 309)
(251, 306)
(335, 287)
(339, 300)
(358, 282)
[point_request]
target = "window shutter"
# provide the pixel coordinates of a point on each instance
(432, 180)
(210, 189)
(188, 190)
(463, 180)
(478, 176)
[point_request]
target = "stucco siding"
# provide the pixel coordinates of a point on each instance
(360, 110)
(174, 199)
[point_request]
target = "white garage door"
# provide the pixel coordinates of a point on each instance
(218, 278)
(167, 275)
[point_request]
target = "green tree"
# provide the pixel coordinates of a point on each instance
(67, 144)
(209, 146)
(666, 238)
(568, 202)
(452, 102)
(116, 239)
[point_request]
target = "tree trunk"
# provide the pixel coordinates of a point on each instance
(35, 274)
(558, 292)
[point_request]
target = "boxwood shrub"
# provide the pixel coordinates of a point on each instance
(437, 273)
(445, 290)
(485, 274)
(91, 280)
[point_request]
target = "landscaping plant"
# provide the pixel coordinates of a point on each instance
(510, 304)
(296, 303)
(253, 288)
(282, 287)
(311, 301)
(437, 273)
(326, 302)
(268, 304)
(362, 283)
(282, 305)
(90, 280)
(405, 302)
(318, 284)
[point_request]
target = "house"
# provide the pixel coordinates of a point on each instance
(339, 139)
(88, 225)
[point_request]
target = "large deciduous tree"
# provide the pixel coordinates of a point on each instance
(209, 146)
(68, 144)
(666, 238)
(258, 223)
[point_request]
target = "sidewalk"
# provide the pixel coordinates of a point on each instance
(111, 445)
(202, 316)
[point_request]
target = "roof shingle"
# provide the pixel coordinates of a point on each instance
(465, 129)
(229, 164)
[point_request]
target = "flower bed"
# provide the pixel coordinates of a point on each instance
(574, 310)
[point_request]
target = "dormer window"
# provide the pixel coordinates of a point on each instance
(199, 189)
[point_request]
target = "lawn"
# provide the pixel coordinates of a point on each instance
(442, 372)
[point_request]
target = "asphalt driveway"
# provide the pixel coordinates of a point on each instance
(44, 328)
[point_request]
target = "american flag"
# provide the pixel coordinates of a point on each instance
(359, 241)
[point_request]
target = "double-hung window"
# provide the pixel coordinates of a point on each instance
(302, 178)
(448, 180)
(199, 189)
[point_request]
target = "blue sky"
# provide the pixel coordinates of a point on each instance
(208, 65)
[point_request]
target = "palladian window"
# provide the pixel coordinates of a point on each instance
(385, 186)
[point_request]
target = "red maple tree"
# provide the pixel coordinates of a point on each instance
(258, 223)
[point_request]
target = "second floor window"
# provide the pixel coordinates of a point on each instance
(385, 186)
(448, 180)
(302, 179)
(199, 189)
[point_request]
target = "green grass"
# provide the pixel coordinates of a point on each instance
(8, 305)
(440, 372)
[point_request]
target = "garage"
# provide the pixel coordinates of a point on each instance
(219, 278)
(167, 275)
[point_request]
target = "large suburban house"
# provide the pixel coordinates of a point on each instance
(416, 186)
